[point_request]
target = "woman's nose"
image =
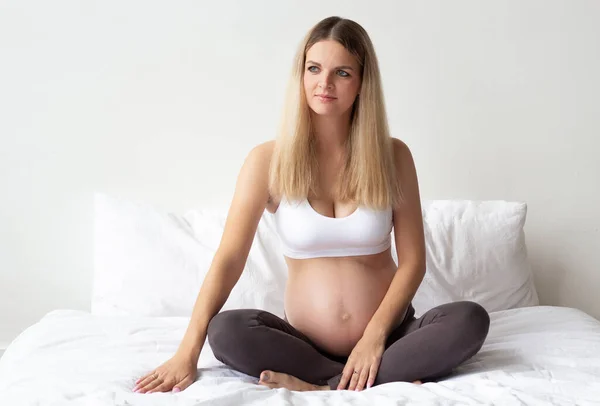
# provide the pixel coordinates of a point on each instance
(325, 83)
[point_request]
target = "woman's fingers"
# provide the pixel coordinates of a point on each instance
(178, 370)
(143, 377)
(168, 386)
(362, 380)
(183, 384)
(372, 375)
(145, 380)
(346, 374)
(354, 380)
(151, 385)
(163, 387)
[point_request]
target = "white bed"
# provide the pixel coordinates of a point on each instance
(535, 356)
(148, 269)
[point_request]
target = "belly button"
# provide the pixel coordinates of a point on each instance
(345, 317)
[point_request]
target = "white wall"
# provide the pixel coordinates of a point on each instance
(160, 102)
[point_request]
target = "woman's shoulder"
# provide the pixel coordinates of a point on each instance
(264, 149)
(261, 155)
(399, 146)
(402, 153)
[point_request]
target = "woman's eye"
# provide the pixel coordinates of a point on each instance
(312, 69)
(343, 74)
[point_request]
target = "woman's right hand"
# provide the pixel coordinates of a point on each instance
(176, 373)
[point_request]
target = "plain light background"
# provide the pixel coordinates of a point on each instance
(160, 102)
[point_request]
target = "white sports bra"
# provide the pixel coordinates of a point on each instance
(305, 233)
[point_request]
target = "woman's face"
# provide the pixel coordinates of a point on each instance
(332, 78)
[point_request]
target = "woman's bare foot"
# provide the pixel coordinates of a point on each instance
(417, 382)
(280, 380)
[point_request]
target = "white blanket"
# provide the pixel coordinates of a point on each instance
(535, 356)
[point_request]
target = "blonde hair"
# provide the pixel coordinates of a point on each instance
(369, 174)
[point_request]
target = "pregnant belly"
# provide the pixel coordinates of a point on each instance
(332, 303)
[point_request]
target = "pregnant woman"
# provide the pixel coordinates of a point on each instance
(337, 185)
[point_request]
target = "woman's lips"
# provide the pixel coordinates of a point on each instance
(326, 99)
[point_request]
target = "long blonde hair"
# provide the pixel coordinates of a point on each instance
(369, 174)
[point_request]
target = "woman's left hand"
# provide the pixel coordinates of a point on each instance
(363, 363)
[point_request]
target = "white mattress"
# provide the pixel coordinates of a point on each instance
(535, 356)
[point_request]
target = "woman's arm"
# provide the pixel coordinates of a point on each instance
(247, 206)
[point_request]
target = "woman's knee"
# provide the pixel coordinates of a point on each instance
(475, 320)
(229, 326)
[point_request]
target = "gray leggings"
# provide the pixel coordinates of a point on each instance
(425, 349)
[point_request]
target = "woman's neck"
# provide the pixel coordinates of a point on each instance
(331, 133)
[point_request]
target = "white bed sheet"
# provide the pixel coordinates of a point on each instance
(534, 356)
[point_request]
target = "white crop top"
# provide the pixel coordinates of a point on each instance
(305, 233)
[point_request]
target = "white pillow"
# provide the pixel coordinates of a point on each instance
(475, 251)
(149, 263)
(146, 263)
(263, 280)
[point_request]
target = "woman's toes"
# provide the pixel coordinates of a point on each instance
(281, 380)
(267, 377)
(269, 385)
